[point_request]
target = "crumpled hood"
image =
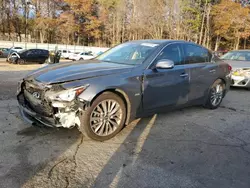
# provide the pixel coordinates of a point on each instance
(70, 71)
(238, 64)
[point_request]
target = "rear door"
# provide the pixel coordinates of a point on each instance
(45, 55)
(29, 55)
(36, 55)
(42, 55)
(202, 70)
(166, 87)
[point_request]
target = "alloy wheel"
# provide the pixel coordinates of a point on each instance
(106, 117)
(216, 95)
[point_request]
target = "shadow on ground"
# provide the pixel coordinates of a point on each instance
(161, 152)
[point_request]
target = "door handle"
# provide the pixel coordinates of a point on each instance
(212, 71)
(184, 75)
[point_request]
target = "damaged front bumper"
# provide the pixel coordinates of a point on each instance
(241, 78)
(33, 118)
(38, 111)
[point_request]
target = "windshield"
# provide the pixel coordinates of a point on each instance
(128, 53)
(237, 55)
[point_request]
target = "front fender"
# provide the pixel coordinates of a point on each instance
(125, 84)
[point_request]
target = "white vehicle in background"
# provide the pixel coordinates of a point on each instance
(12, 52)
(73, 55)
(83, 56)
(65, 54)
(16, 49)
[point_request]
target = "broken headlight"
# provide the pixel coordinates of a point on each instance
(68, 95)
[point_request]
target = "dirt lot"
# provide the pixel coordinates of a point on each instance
(193, 147)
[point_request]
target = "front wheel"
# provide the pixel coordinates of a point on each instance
(104, 118)
(216, 94)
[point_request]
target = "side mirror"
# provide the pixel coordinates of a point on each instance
(165, 64)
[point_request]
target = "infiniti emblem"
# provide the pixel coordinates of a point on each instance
(36, 95)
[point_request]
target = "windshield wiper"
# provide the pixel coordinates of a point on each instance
(116, 62)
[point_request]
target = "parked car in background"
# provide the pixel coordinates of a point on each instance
(27, 56)
(240, 62)
(99, 53)
(220, 53)
(16, 49)
(4, 52)
(12, 50)
(72, 56)
(65, 53)
(129, 81)
(83, 56)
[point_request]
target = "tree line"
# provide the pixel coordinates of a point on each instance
(216, 24)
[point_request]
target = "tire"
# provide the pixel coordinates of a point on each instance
(20, 61)
(91, 118)
(215, 95)
(81, 59)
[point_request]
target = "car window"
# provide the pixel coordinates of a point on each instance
(171, 52)
(36, 52)
(45, 52)
(88, 53)
(131, 53)
(196, 54)
(64, 51)
(237, 55)
(18, 48)
(30, 52)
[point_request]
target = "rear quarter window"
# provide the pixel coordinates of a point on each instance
(196, 54)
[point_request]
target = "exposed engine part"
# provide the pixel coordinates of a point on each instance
(68, 119)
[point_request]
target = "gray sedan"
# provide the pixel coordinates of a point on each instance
(131, 80)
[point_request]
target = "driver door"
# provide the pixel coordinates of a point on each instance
(166, 87)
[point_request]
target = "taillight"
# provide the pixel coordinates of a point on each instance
(229, 68)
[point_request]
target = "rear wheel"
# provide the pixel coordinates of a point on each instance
(81, 59)
(216, 94)
(104, 118)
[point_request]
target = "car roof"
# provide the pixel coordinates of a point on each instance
(159, 41)
(36, 49)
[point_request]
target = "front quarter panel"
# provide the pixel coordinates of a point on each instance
(128, 84)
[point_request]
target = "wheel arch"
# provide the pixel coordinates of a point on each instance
(207, 91)
(123, 96)
(225, 83)
(223, 80)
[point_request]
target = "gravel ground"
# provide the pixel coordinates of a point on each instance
(193, 147)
